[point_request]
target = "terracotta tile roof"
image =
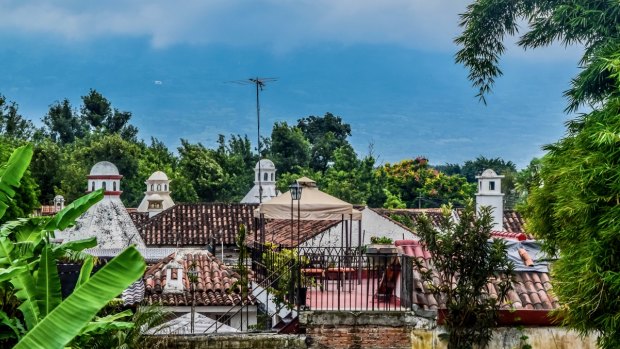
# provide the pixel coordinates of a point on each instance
(513, 227)
(508, 236)
(138, 218)
(278, 231)
(197, 224)
(215, 286)
(513, 222)
(403, 217)
(531, 289)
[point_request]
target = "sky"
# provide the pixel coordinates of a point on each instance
(386, 67)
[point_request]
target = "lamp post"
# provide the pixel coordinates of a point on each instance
(295, 190)
(192, 276)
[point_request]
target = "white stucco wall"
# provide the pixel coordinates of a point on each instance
(373, 224)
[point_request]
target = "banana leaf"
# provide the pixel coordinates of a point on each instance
(85, 271)
(26, 292)
(71, 212)
(48, 283)
(109, 322)
(10, 272)
(69, 318)
(11, 174)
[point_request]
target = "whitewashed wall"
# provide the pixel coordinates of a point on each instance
(373, 224)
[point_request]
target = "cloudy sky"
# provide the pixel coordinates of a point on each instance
(386, 67)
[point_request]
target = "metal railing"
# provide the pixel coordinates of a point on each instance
(328, 278)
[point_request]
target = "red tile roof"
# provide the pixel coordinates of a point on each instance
(531, 289)
(514, 225)
(197, 224)
(215, 286)
(508, 235)
(278, 231)
(399, 216)
(138, 218)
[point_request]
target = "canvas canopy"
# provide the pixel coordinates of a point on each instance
(314, 205)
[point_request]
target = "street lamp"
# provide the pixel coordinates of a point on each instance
(295, 190)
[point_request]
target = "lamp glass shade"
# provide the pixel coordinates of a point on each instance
(295, 189)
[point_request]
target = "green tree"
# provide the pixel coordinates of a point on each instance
(13, 124)
(46, 167)
(237, 161)
(288, 148)
(575, 211)
(198, 165)
(325, 134)
(97, 111)
(463, 264)
(419, 185)
(81, 155)
(63, 124)
(25, 199)
(591, 23)
(526, 179)
(349, 178)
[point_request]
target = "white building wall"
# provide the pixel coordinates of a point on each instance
(373, 224)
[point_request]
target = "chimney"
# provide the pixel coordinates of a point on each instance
(490, 194)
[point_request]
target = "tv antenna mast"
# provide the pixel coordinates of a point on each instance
(260, 85)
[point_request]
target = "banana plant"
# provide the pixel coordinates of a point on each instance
(29, 276)
(71, 316)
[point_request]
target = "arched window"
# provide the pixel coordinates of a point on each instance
(92, 186)
(272, 177)
(152, 187)
(104, 189)
(165, 187)
(159, 187)
(114, 186)
(266, 177)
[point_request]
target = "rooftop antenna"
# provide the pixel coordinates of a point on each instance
(260, 85)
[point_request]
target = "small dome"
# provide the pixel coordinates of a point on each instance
(158, 176)
(104, 168)
(265, 164)
(155, 197)
(488, 173)
(58, 197)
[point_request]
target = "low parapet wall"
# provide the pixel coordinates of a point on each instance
(396, 330)
(238, 341)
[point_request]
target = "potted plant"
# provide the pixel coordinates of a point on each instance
(381, 245)
(380, 250)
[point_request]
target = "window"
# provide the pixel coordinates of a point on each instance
(114, 186)
(272, 177)
(92, 186)
(266, 177)
(492, 185)
(165, 187)
(159, 187)
(152, 187)
(104, 186)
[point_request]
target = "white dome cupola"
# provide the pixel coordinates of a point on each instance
(264, 182)
(267, 171)
(490, 194)
(104, 175)
(157, 195)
